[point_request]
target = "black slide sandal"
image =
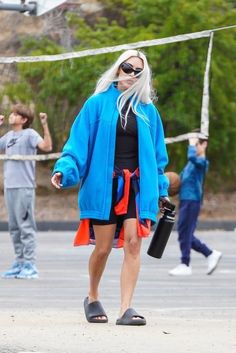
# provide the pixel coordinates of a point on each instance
(93, 311)
(131, 317)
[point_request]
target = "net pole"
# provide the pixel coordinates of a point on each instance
(205, 96)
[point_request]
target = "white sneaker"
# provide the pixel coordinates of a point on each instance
(181, 270)
(212, 261)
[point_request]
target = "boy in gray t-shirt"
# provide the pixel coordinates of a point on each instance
(19, 186)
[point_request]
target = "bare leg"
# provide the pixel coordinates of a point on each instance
(104, 235)
(131, 264)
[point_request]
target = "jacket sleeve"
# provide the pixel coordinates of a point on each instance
(200, 162)
(161, 156)
(73, 161)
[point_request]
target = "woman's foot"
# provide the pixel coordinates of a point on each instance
(132, 318)
(94, 311)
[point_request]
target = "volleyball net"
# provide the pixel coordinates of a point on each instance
(204, 119)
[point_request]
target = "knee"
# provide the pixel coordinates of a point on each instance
(132, 246)
(102, 253)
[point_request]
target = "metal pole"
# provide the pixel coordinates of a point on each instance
(205, 94)
(31, 7)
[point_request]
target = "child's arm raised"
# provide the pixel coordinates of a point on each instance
(46, 144)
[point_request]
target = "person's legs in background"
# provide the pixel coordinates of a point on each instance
(27, 226)
(12, 204)
(187, 221)
(213, 256)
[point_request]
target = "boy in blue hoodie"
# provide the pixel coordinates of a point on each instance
(191, 195)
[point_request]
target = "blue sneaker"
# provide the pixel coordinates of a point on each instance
(13, 271)
(28, 271)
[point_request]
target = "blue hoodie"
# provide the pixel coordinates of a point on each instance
(88, 157)
(192, 176)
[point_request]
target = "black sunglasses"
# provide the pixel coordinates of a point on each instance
(128, 69)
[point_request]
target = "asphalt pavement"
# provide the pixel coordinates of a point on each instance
(194, 314)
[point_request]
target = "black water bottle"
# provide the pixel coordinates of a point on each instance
(163, 230)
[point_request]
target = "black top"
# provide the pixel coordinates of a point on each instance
(126, 152)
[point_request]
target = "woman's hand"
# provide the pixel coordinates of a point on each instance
(162, 202)
(56, 180)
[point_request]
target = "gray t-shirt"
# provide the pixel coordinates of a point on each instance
(19, 174)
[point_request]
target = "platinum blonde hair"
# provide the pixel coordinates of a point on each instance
(140, 92)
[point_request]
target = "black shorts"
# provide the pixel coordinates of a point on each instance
(114, 219)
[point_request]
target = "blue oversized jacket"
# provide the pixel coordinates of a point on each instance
(192, 176)
(88, 157)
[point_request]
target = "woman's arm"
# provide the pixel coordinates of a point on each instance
(72, 164)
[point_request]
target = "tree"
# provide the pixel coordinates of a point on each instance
(178, 68)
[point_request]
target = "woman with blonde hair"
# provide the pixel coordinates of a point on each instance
(116, 151)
